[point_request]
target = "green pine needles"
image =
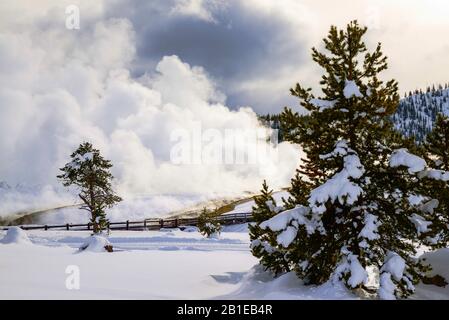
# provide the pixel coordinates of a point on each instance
(208, 223)
(436, 151)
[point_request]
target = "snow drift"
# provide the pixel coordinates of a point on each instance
(15, 235)
(95, 243)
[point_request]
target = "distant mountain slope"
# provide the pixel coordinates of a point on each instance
(417, 111)
(415, 116)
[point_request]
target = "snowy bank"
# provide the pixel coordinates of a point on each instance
(258, 284)
(15, 235)
(162, 265)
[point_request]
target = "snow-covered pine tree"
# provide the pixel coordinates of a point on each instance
(436, 182)
(263, 241)
(350, 208)
(208, 223)
(89, 171)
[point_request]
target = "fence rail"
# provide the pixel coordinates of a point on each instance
(147, 224)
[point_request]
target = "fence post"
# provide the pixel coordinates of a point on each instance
(67, 227)
(162, 223)
(88, 226)
(176, 223)
(127, 224)
(144, 224)
(46, 227)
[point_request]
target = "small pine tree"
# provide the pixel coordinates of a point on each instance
(89, 171)
(263, 241)
(350, 208)
(208, 223)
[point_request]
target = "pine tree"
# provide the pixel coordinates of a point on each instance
(436, 148)
(349, 208)
(89, 172)
(208, 223)
(263, 241)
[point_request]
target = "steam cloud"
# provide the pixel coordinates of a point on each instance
(60, 87)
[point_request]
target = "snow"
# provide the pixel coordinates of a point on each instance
(95, 243)
(387, 287)
(79, 159)
(402, 157)
(350, 264)
(369, 231)
(286, 237)
(416, 113)
(190, 229)
(265, 245)
(257, 284)
(358, 273)
(434, 174)
(439, 260)
(339, 186)
(243, 227)
(421, 224)
(323, 104)
(170, 265)
(156, 274)
(394, 265)
(415, 199)
(341, 149)
(15, 235)
(351, 90)
(88, 156)
(429, 206)
(274, 208)
(282, 220)
(144, 265)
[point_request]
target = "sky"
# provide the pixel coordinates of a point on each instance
(257, 49)
(136, 71)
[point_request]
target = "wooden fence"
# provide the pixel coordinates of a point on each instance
(147, 224)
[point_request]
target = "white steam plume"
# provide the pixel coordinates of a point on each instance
(60, 87)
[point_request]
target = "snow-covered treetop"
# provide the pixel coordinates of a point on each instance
(79, 159)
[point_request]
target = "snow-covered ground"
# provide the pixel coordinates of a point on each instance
(166, 264)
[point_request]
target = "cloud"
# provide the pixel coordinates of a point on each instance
(60, 87)
(197, 8)
(257, 49)
(239, 43)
